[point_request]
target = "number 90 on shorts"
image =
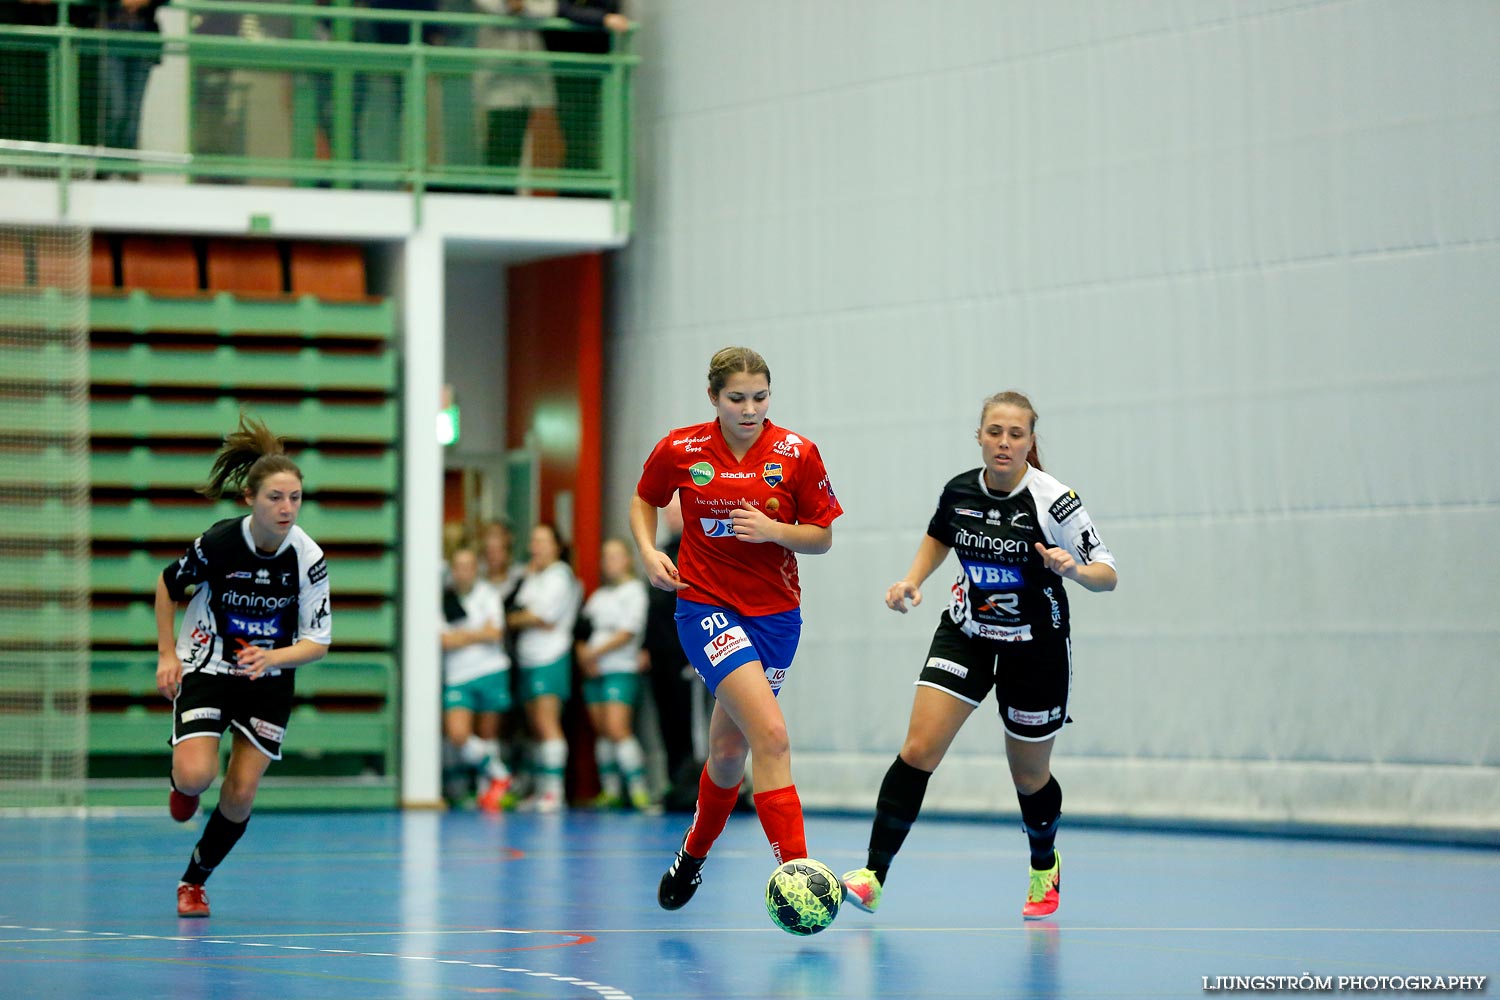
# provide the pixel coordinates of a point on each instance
(718, 641)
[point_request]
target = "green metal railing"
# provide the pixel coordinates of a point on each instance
(327, 104)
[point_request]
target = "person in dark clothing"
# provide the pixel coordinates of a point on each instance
(672, 681)
(126, 73)
(578, 96)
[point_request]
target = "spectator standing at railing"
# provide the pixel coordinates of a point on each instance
(578, 97)
(509, 93)
(126, 72)
(25, 80)
(379, 122)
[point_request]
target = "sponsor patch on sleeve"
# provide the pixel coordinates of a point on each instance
(319, 571)
(1065, 506)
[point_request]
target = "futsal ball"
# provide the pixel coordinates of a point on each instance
(803, 896)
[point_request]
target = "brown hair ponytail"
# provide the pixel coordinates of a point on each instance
(1016, 399)
(250, 454)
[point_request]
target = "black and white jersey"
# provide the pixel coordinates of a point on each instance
(1004, 590)
(243, 597)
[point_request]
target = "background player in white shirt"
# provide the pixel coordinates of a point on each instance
(476, 675)
(610, 665)
(546, 608)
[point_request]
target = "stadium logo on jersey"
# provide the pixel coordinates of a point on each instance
(788, 446)
(771, 473)
(1065, 506)
(717, 527)
(263, 576)
(968, 512)
(1087, 544)
(736, 475)
(702, 473)
(319, 571)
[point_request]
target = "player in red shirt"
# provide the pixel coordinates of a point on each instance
(754, 496)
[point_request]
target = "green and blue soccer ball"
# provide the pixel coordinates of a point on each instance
(803, 896)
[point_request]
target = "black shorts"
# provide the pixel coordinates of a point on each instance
(1031, 679)
(259, 708)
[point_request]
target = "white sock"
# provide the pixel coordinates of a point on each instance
(609, 771)
(552, 760)
(494, 763)
(632, 764)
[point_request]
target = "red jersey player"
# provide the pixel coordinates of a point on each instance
(754, 496)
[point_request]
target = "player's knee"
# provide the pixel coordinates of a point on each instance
(194, 778)
(771, 741)
(236, 797)
(1027, 779)
(922, 753)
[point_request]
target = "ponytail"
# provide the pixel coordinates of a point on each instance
(250, 454)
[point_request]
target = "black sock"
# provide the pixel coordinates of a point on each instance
(219, 837)
(896, 810)
(1040, 812)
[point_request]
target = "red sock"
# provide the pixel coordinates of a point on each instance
(714, 806)
(780, 812)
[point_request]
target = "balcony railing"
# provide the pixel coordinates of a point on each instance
(328, 96)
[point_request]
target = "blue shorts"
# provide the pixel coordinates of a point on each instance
(717, 640)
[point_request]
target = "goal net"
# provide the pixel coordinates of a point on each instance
(44, 515)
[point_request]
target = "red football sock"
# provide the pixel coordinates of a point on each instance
(780, 812)
(714, 806)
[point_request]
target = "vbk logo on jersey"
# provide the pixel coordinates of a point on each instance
(259, 627)
(993, 577)
(771, 473)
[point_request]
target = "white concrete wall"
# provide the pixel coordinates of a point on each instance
(1243, 256)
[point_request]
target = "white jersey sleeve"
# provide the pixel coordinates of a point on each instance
(1066, 524)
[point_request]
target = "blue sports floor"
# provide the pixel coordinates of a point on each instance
(375, 906)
